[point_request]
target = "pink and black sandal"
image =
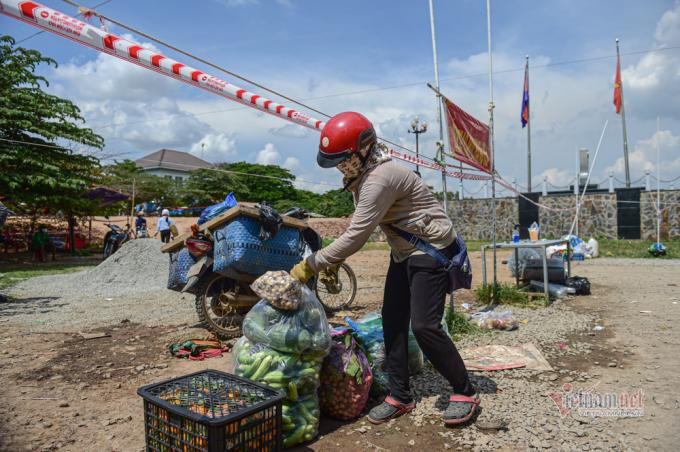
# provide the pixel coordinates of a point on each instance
(461, 409)
(388, 410)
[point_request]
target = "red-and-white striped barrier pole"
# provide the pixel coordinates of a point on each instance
(61, 24)
(81, 32)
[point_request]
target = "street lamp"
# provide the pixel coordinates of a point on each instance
(417, 128)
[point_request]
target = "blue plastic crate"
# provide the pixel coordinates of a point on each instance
(180, 263)
(238, 247)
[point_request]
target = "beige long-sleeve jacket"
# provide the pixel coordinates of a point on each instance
(389, 194)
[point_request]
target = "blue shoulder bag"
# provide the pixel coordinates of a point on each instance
(458, 267)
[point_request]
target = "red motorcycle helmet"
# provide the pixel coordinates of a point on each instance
(343, 135)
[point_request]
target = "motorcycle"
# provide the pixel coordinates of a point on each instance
(222, 301)
(114, 239)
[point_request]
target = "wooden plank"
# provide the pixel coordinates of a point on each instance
(242, 208)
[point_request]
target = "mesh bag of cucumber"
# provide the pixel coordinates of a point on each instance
(284, 348)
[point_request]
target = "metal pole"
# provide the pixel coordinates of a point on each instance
(417, 133)
(648, 183)
(439, 103)
(658, 186)
(576, 187)
(493, 160)
(623, 121)
(528, 133)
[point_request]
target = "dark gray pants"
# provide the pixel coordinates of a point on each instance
(415, 291)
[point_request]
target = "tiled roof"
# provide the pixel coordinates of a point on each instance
(171, 159)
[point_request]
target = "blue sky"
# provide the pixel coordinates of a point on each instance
(311, 49)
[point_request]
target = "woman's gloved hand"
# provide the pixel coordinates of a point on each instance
(329, 278)
(302, 271)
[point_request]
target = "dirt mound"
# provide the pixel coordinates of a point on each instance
(329, 228)
(137, 267)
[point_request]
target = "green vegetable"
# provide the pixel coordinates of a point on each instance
(321, 341)
(287, 419)
(246, 371)
(307, 372)
(313, 316)
(294, 437)
(274, 377)
(292, 391)
(307, 415)
(253, 330)
(288, 427)
(264, 367)
(244, 358)
(304, 340)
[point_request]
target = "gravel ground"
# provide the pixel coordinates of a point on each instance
(516, 398)
(641, 355)
(129, 285)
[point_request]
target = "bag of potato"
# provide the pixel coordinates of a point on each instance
(345, 378)
(280, 289)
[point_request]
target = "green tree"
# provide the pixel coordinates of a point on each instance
(269, 183)
(37, 169)
(336, 203)
(147, 187)
(208, 186)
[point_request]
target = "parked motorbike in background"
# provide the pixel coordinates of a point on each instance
(114, 239)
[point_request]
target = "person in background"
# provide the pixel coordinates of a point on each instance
(40, 243)
(164, 226)
(387, 195)
(140, 224)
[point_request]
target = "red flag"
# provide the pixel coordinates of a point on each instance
(469, 137)
(618, 102)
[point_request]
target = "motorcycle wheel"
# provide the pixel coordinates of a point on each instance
(213, 313)
(107, 245)
(341, 295)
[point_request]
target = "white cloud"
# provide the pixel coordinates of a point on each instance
(654, 81)
(291, 131)
(668, 28)
(557, 177)
(215, 147)
(107, 77)
(291, 163)
(643, 157)
(269, 155)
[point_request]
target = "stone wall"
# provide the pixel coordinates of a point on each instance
(670, 216)
(472, 218)
(597, 217)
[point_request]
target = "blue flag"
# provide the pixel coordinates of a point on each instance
(525, 98)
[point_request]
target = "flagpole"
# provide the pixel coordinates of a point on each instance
(439, 107)
(623, 121)
(528, 131)
(491, 145)
(658, 186)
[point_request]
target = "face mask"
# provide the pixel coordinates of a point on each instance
(351, 167)
(357, 164)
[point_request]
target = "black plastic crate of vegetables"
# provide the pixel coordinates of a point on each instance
(211, 411)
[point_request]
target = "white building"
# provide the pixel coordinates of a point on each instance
(170, 163)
